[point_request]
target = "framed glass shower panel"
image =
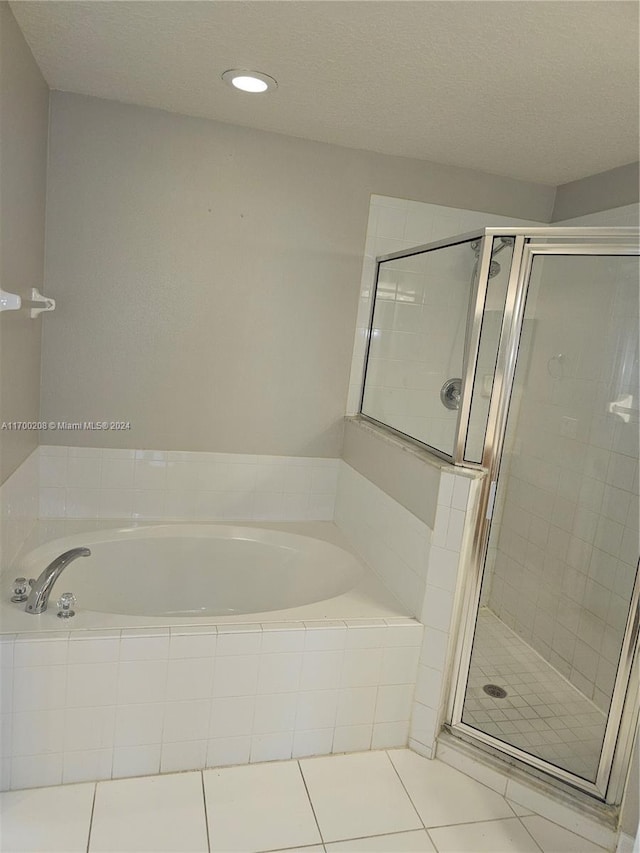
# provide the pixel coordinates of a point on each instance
(416, 350)
(550, 658)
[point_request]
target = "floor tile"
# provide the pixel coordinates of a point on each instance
(567, 727)
(357, 795)
(443, 795)
(258, 807)
(397, 842)
(64, 816)
(493, 836)
(521, 811)
(153, 813)
(555, 839)
(557, 811)
(626, 844)
(315, 848)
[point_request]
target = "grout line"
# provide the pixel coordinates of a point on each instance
(528, 833)
(93, 806)
(377, 835)
(470, 822)
(206, 818)
(315, 817)
(386, 752)
(460, 823)
(561, 826)
(431, 840)
(510, 804)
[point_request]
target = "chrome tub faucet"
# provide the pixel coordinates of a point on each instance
(41, 588)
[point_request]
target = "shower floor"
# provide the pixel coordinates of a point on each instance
(542, 713)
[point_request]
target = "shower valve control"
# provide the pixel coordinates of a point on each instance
(65, 602)
(450, 394)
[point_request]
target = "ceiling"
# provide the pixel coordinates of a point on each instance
(537, 90)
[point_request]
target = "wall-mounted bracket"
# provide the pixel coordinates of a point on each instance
(45, 303)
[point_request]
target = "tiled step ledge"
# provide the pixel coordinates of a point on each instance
(109, 704)
(572, 810)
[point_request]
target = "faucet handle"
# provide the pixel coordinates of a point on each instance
(20, 589)
(66, 600)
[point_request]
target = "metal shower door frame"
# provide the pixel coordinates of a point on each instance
(528, 244)
(623, 712)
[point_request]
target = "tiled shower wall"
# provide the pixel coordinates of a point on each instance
(568, 546)
(414, 308)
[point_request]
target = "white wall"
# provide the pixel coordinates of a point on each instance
(604, 191)
(207, 276)
(24, 105)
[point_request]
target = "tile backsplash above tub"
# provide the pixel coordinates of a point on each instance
(81, 482)
(18, 507)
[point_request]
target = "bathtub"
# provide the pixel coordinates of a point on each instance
(199, 645)
(181, 574)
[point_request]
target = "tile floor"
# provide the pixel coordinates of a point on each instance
(542, 713)
(369, 802)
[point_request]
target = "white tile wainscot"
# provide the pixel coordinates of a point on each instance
(423, 568)
(18, 507)
(93, 705)
(94, 482)
(448, 556)
(392, 541)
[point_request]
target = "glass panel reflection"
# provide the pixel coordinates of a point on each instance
(417, 342)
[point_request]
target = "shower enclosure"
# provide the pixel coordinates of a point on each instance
(516, 350)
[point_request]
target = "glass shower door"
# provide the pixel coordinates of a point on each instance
(559, 582)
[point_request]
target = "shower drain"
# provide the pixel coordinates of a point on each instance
(495, 691)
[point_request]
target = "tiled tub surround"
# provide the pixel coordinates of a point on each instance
(94, 705)
(135, 698)
(85, 482)
(18, 507)
(131, 700)
(421, 567)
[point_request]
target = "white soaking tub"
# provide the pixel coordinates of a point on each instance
(173, 574)
(199, 645)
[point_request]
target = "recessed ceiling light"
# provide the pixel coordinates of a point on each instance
(249, 81)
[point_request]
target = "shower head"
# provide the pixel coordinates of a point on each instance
(504, 242)
(494, 267)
